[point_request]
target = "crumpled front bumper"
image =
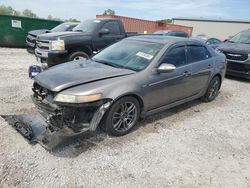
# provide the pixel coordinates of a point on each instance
(61, 121)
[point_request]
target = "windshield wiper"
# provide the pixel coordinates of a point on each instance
(245, 43)
(113, 65)
(239, 42)
(106, 63)
(78, 30)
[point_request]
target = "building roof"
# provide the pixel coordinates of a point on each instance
(212, 20)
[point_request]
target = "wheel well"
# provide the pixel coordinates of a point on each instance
(220, 77)
(85, 49)
(137, 97)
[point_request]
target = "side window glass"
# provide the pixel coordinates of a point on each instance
(216, 41)
(197, 53)
(113, 27)
(176, 56)
(210, 42)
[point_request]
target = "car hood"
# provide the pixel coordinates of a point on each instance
(38, 32)
(61, 35)
(75, 73)
(235, 47)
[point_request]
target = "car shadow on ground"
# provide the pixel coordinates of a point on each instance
(74, 146)
(79, 144)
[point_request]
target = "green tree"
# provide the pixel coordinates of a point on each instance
(50, 17)
(29, 13)
(165, 21)
(8, 11)
(53, 18)
(72, 20)
(109, 12)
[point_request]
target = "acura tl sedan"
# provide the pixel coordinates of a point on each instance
(129, 80)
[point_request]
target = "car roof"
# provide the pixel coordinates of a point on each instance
(161, 39)
(71, 23)
(105, 19)
(202, 39)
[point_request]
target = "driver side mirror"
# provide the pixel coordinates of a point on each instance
(165, 68)
(104, 32)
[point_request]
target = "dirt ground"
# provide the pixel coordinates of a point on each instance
(193, 145)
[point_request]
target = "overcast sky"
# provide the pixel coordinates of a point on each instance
(145, 9)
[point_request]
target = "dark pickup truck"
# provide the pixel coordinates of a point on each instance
(237, 51)
(87, 38)
(31, 37)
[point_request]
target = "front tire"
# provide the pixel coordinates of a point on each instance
(78, 56)
(122, 116)
(212, 90)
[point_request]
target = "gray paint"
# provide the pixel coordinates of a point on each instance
(157, 91)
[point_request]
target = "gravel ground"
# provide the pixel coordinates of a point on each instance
(193, 145)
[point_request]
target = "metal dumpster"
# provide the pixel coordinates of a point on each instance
(14, 29)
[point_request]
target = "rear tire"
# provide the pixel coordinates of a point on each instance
(78, 56)
(212, 90)
(122, 116)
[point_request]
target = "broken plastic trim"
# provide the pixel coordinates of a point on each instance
(98, 116)
(24, 130)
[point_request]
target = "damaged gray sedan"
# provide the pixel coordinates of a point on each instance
(131, 79)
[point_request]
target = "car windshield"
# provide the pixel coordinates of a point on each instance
(129, 54)
(61, 27)
(242, 37)
(87, 26)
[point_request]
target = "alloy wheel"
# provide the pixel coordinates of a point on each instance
(124, 117)
(213, 91)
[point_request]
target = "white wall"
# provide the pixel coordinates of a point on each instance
(220, 30)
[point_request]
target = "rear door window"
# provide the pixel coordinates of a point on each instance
(216, 41)
(178, 34)
(176, 56)
(213, 41)
(113, 27)
(197, 53)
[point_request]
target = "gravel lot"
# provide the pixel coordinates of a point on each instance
(194, 145)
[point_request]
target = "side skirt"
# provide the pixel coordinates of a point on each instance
(168, 106)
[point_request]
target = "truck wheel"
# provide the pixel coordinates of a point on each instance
(212, 90)
(78, 56)
(122, 116)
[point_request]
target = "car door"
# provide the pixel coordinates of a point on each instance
(166, 88)
(113, 36)
(202, 65)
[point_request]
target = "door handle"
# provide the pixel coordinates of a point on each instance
(209, 66)
(187, 73)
